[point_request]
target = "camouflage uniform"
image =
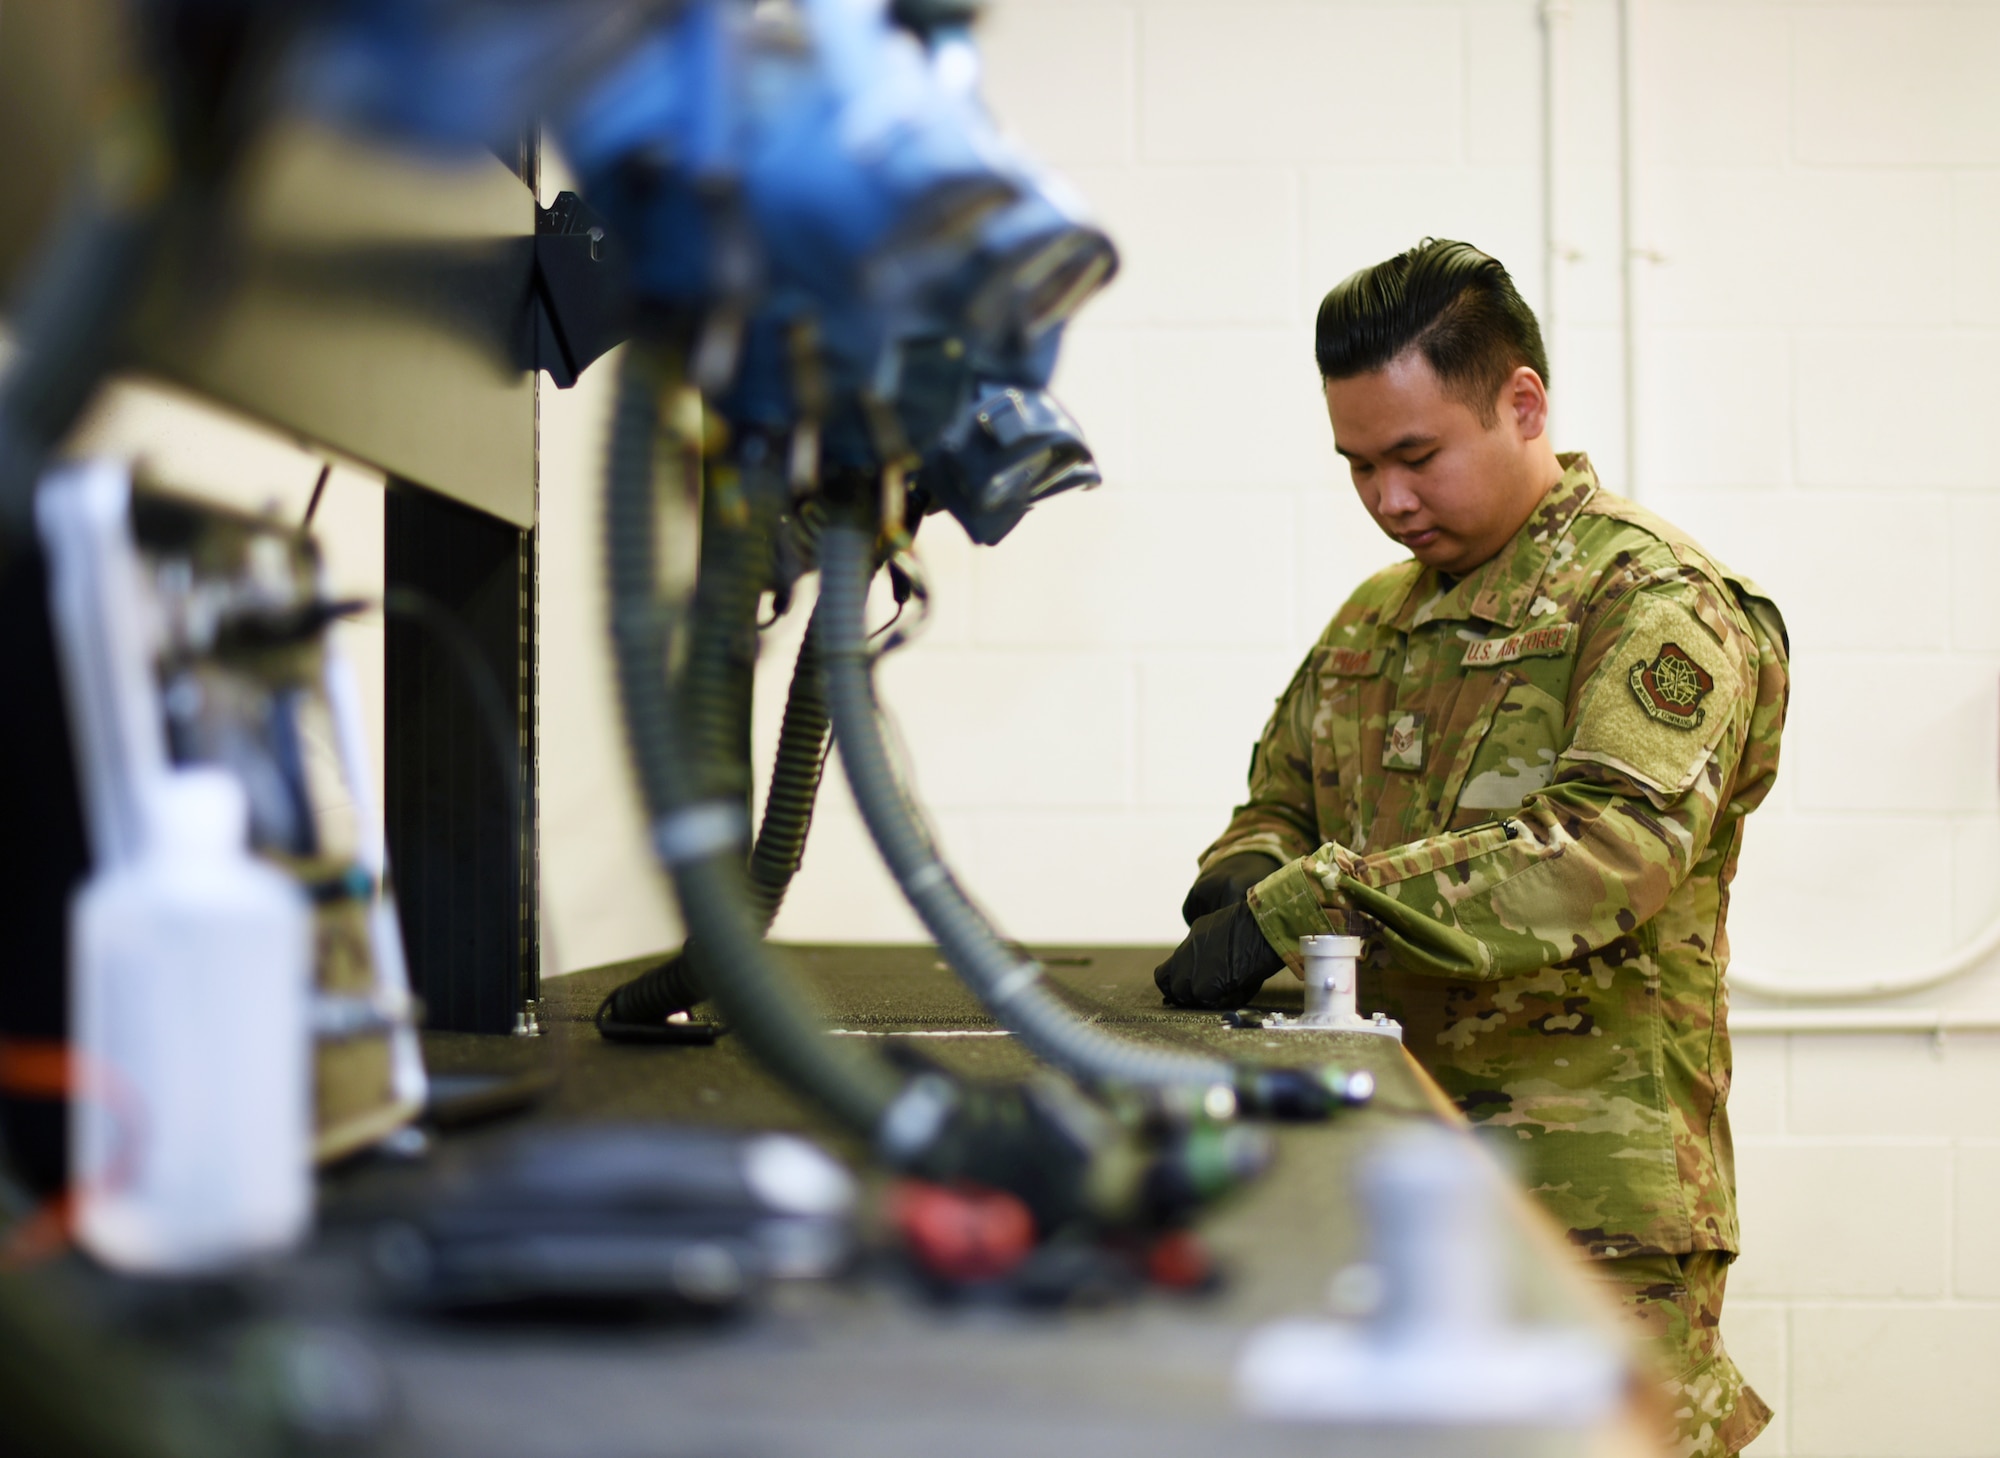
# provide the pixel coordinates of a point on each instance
(1527, 787)
(1675, 1303)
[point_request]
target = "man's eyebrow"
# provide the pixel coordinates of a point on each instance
(1408, 442)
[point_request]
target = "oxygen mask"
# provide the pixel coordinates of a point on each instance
(1009, 450)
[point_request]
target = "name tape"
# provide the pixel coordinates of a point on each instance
(1352, 662)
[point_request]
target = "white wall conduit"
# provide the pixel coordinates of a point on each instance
(1554, 17)
(1781, 988)
(1628, 252)
(1934, 1021)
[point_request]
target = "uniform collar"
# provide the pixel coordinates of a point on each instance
(1500, 590)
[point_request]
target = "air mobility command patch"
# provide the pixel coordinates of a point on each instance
(1672, 686)
(1403, 742)
(1662, 698)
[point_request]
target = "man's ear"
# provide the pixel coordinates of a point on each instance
(1525, 400)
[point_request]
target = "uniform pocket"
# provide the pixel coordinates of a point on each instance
(1473, 714)
(1347, 678)
(1515, 757)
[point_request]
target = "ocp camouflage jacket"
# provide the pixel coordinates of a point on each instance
(1526, 787)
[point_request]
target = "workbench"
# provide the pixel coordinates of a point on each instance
(871, 1368)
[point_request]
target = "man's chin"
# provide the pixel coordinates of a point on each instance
(1439, 551)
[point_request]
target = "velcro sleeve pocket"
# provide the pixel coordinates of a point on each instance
(1660, 701)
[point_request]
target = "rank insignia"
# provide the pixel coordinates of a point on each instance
(1671, 687)
(1403, 743)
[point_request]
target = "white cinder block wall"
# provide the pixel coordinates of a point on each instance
(1817, 371)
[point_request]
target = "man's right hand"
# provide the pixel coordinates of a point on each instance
(1223, 962)
(1226, 882)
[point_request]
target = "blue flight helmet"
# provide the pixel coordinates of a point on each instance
(819, 172)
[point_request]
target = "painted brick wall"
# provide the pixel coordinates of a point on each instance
(1866, 1306)
(1820, 184)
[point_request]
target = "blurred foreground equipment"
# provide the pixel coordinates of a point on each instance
(1437, 1347)
(626, 1215)
(194, 636)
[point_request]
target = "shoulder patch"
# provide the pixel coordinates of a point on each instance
(1661, 699)
(1671, 687)
(1553, 640)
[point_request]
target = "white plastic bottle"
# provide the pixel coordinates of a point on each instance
(191, 1131)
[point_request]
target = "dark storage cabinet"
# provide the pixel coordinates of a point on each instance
(464, 879)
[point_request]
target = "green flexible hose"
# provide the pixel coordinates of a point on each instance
(635, 1009)
(698, 824)
(803, 741)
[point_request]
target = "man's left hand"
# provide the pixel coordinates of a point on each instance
(1223, 962)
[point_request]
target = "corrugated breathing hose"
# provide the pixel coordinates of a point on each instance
(633, 1011)
(1008, 984)
(804, 739)
(1061, 1156)
(698, 830)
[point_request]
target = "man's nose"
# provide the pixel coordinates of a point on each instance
(1397, 498)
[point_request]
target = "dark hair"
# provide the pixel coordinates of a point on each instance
(1448, 299)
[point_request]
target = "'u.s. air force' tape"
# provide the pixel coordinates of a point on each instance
(696, 832)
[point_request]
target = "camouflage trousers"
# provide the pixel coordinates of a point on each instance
(1676, 1303)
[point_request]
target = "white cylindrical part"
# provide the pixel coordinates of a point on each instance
(104, 635)
(191, 1132)
(1330, 974)
(1430, 1204)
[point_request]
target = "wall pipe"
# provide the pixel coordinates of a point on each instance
(1554, 16)
(1918, 979)
(1934, 1021)
(1628, 251)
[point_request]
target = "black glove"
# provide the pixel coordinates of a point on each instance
(1226, 882)
(1223, 962)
